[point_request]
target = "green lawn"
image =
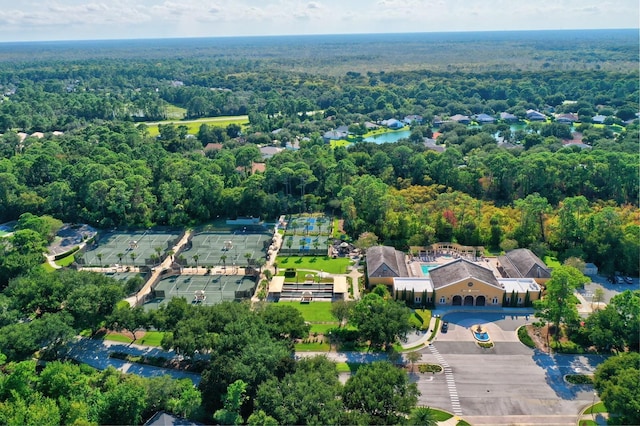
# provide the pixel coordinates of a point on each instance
(316, 263)
(117, 338)
(151, 338)
(194, 125)
(439, 415)
(314, 311)
(348, 367)
(48, 267)
(65, 261)
(597, 408)
(312, 347)
(551, 262)
(175, 112)
(322, 328)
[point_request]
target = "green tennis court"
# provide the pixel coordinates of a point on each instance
(226, 248)
(128, 248)
(202, 289)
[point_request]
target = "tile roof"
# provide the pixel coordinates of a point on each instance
(385, 261)
(523, 263)
(459, 270)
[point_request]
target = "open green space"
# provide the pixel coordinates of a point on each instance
(551, 262)
(65, 261)
(193, 126)
(315, 263)
(596, 408)
(312, 347)
(113, 337)
(314, 311)
(348, 367)
(151, 338)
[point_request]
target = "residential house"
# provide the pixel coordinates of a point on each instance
(485, 119)
(508, 117)
(212, 147)
(437, 120)
(392, 123)
(598, 119)
(433, 146)
(370, 126)
(566, 118)
(410, 119)
(462, 119)
(334, 135)
(269, 151)
(534, 115)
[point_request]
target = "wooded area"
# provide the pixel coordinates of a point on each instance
(76, 147)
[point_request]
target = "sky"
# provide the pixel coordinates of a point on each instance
(31, 20)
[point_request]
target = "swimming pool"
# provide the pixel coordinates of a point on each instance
(426, 267)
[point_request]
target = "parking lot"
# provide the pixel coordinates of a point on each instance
(508, 384)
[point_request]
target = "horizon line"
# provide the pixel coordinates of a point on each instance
(317, 35)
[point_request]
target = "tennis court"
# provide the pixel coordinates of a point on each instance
(312, 245)
(316, 224)
(210, 247)
(202, 289)
(129, 248)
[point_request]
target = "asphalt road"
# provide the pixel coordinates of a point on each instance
(509, 384)
(96, 354)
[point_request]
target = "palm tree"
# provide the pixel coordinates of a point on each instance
(289, 244)
(120, 256)
(260, 262)
(195, 259)
(133, 257)
(248, 257)
(171, 253)
(316, 243)
(154, 258)
(224, 261)
(99, 256)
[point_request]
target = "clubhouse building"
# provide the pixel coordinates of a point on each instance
(457, 277)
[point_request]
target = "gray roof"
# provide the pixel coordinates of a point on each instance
(165, 419)
(385, 261)
(523, 263)
(460, 270)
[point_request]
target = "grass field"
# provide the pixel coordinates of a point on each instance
(65, 261)
(151, 338)
(194, 125)
(597, 408)
(316, 263)
(551, 262)
(314, 311)
(312, 347)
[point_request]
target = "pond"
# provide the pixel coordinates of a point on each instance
(388, 137)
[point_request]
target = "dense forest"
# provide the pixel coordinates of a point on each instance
(107, 170)
(80, 142)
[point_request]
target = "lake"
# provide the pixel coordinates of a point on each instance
(388, 137)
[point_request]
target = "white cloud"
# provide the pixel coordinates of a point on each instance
(60, 19)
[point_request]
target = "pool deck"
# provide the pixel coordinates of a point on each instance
(414, 265)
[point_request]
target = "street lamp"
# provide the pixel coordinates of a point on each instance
(593, 416)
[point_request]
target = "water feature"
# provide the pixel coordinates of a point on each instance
(388, 137)
(426, 267)
(480, 333)
(483, 336)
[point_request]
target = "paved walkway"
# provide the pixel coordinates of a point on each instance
(155, 272)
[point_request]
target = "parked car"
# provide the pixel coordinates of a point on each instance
(628, 280)
(619, 280)
(445, 327)
(611, 279)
